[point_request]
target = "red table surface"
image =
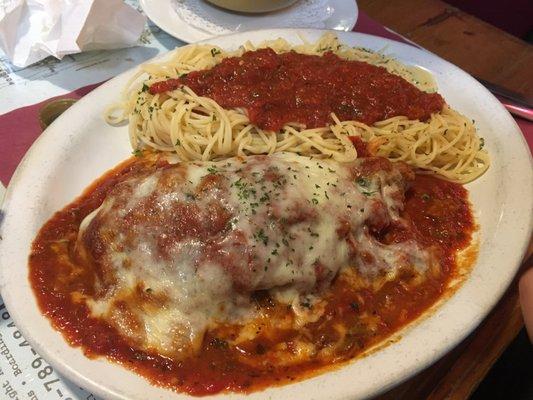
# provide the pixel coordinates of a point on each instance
(20, 127)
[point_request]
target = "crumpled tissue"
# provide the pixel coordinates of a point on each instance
(31, 30)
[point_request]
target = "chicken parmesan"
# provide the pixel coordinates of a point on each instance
(233, 275)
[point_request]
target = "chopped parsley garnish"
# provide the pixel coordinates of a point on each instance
(215, 51)
(264, 198)
(212, 169)
(244, 190)
(481, 143)
(137, 153)
(260, 236)
(362, 182)
(305, 303)
(314, 201)
(219, 343)
(232, 222)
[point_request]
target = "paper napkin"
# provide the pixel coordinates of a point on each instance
(31, 30)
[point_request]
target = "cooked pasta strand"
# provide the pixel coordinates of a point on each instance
(197, 128)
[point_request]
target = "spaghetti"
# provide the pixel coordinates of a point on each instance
(199, 128)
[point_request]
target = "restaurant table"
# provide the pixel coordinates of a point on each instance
(457, 374)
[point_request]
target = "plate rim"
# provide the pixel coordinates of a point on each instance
(404, 374)
(198, 35)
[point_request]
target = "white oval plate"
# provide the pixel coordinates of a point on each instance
(79, 147)
(162, 13)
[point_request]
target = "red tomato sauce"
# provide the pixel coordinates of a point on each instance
(438, 214)
(276, 89)
(360, 146)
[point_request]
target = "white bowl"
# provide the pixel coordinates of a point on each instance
(253, 6)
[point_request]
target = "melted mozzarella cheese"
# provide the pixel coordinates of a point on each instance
(182, 249)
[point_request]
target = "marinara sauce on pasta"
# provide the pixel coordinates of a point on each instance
(203, 102)
(288, 87)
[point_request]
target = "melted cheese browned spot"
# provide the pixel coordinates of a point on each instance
(181, 249)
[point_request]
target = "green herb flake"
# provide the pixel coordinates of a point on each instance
(260, 236)
(305, 304)
(264, 198)
(219, 344)
(362, 182)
